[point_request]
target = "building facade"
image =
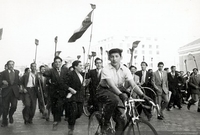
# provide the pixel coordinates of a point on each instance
(189, 56)
(148, 49)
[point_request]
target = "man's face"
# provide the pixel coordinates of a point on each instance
(173, 69)
(42, 70)
(57, 63)
(160, 67)
(115, 59)
(195, 71)
(98, 64)
(11, 65)
(33, 67)
(133, 70)
(182, 73)
(79, 67)
(143, 66)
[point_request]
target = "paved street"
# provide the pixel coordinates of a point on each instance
(176, 122)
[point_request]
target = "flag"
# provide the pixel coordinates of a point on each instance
(93, 6)
(84, 26)
(57, 53)
(56, 39)
(1, 33)
(36, 41)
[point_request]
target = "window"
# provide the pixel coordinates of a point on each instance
(150, 46)
(158, 52)
(142, 46)
(157, 46)
(150, 52)
(143, 52)
(135, 51)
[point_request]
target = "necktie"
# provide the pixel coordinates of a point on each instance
(12, 76)
(98, 73)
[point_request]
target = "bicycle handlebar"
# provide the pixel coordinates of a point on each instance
(128, 103)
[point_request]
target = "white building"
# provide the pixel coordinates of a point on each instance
(148, 49)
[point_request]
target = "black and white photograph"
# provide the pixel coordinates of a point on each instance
(99, 67)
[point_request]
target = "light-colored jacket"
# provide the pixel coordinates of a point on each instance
(160, 85)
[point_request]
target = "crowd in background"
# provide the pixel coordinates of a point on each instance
(60, 89)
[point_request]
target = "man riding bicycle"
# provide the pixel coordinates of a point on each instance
(111, 91)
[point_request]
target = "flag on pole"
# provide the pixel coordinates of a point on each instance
(84, 26)
(57, 53)
(56, 39)
(36, 41)
(93, 6)
(1, 33)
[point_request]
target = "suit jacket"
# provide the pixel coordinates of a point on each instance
(194, 81)
(147, 78)
(93, 74)
(24, 80)
(172, 82)
(159, 85)
(57, 88)
(11, 87)
(74, 82)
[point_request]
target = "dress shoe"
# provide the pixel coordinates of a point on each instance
(11, 120)
(25, 122)
(30, 121)
(160, 117)
(47, 119)
(198, 110)
(55, 124)
(4, 125)
(188, 106)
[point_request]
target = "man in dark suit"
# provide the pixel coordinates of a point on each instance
(57, 92)
(173, 86)
(145, 81)
(10, 92)
(95, 75)
(75, 97)
(194, 82)
(42, 90)
(160, 84)
(29, 84)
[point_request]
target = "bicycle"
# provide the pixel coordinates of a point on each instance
(96, 121)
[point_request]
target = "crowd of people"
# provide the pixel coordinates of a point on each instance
(60, 89)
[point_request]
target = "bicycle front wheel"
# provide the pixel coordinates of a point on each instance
(94, 127)
(141, 127)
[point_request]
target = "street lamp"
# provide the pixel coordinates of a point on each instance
(93, 55)
(134, 45)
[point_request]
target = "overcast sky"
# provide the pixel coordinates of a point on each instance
(176, 21)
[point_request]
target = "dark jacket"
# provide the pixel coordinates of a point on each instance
(56, 84)
(74, 82)
(147, 79)
(172, 82)
(93, 74)
(11, 87)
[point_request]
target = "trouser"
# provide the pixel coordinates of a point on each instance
(56, 108)
(194, 99)
(178, 98)
(93, 102)
(163, 101)
(41, 105)
(173, 98)
(188, 94)
(75, 112)
(1, 107)
(9, 103)
(30, 101)
(66, 108)
(111, 102)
